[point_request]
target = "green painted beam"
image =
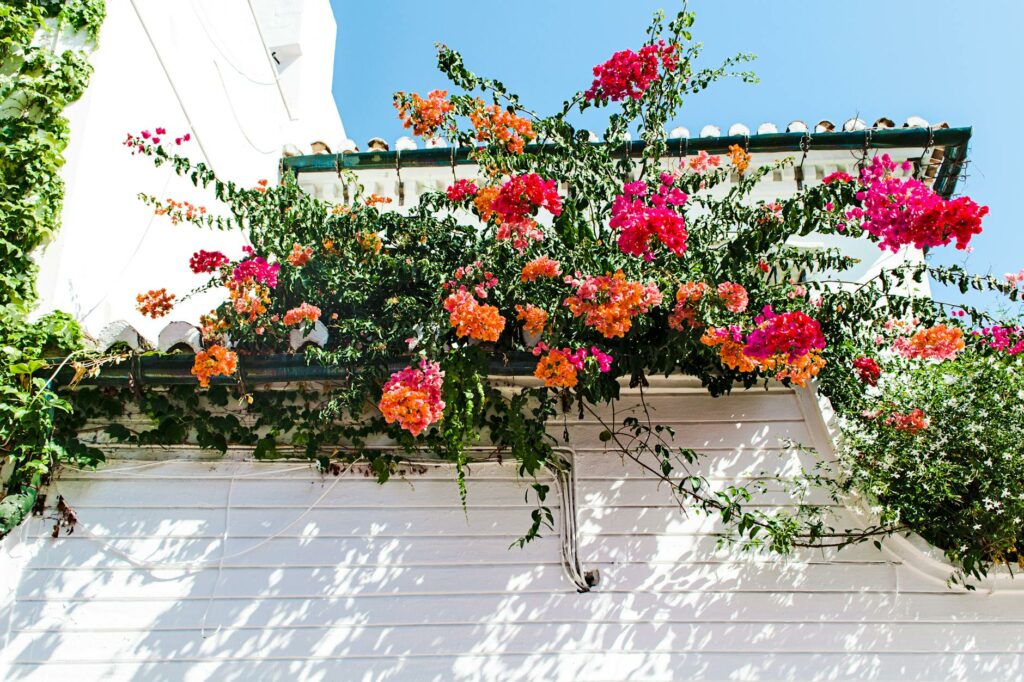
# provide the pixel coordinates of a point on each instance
(176, 369)
(954, 139)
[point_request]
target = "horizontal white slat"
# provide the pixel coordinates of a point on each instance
(290, 581)
(742, 406)
(669, 520)
(289, 492)
(598, 606)
(286, 581)
(602, 638)
(86, 551)
(318, 522)
(724, 465)
(575, 667)
(700, 435)
(652, 492)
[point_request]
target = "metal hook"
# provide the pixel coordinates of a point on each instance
(798, 172)
(867, 146)
(924, 163)
(398, 172)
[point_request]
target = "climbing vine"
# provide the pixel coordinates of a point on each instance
(594, 269)
(37, 82)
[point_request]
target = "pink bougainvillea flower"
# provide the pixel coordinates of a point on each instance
(629, 74)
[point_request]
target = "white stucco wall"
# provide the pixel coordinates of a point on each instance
(199, 66)
(237, 570)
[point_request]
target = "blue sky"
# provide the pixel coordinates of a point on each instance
(942, 60)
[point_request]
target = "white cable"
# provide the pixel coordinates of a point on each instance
(134, 253)
(220, 562)
(202, 25)
(234, 114)
(170, 81)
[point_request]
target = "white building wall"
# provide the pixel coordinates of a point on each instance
(237, 570)
(200, 66)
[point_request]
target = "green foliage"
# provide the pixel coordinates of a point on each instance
(36, 84)
(958, 482)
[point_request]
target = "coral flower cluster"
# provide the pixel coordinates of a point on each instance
(729, 341)
(640, 218)
(472, 319)
(541, 267)
(304, 313)
(934, 343)
(300, 255)
(608, 303)
(214, 361)
(902, 211)
(155, 303)
(424, 116)
(685, 312)
(207, 261)
(702, 162)
(629, 74)
(788, 344)
(560, 367)
(412, 397)
(494, 124)
(248, 297)
(733, 296)
(912, 422)
(178, 211)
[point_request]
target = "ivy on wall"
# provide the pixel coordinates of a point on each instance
(37, 82)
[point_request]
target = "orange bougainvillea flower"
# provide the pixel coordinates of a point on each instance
(541, 267)
(304, 313)
(424, 116)
(180, 210)
(799, 370)
(300, 255)
(484, 200)
(740, 158)
(370, 242)
(729, 342)
(935, 343)
(155, 303)
(376, 200)
(609, 303)
(473, 320)
(534, 318)
(214, 361)
(556, 370)
(412, 397)
(492, 123)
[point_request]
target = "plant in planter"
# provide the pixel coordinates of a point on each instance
(601, 266)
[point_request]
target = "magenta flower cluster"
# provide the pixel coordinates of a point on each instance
(902, 211)
(640, 218)
(793, 334)
(257, 269)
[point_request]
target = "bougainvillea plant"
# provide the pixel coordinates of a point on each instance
(601, 269)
